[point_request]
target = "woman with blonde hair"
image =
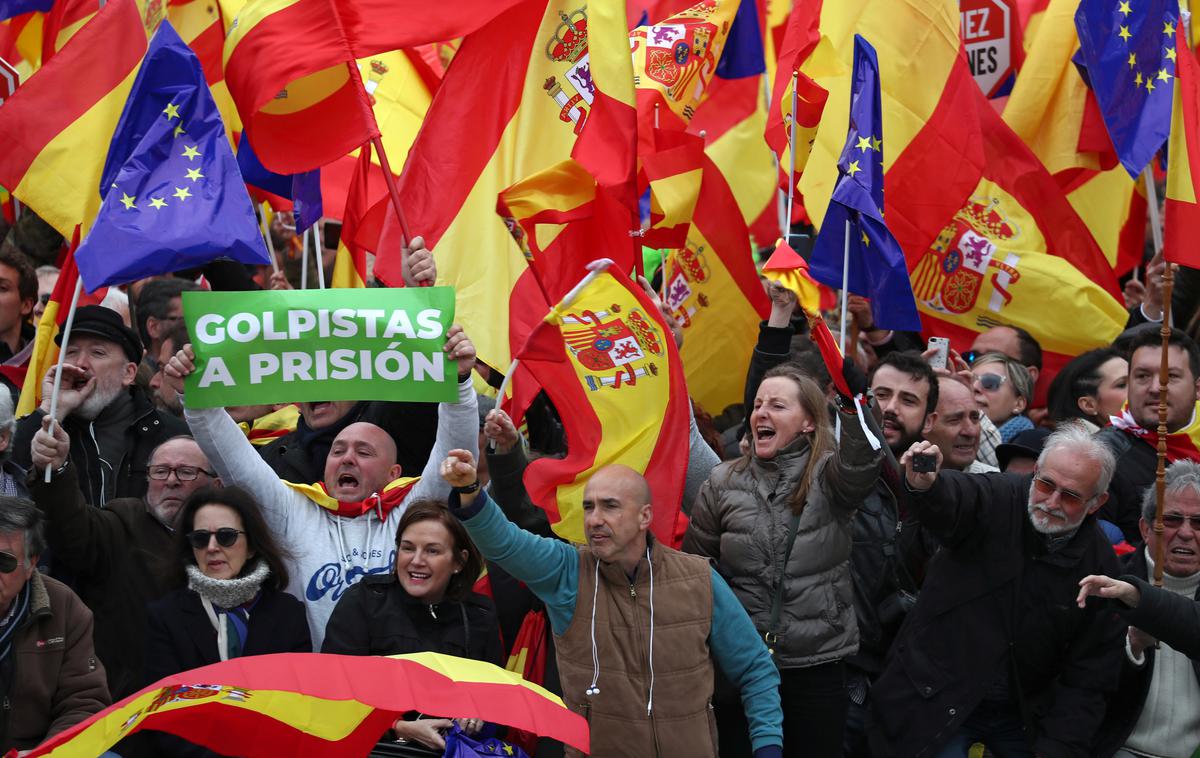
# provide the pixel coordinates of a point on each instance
(778, 524)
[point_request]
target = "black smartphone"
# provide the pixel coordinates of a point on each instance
(924, 463)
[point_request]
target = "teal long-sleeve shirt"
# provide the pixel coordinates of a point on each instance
(550, 568)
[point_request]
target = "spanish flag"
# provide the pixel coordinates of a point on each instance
(58, 125)
(608, 363)
(1182, 203)
(674, 175)
(335, 706)
(290, 68)
(800, 40)
(514, 103)
(787, 267)
(350, 265)
(712, 289)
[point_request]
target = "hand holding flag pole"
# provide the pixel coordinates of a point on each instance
(62, 357)
(791, 197)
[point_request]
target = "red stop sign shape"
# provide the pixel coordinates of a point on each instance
(9, 79)
(987, 30)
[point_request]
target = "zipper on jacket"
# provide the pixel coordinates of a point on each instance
(632, 591)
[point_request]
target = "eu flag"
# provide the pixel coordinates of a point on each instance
(854, 218)
(11, 8)
(1128, 50)
(173, 196)
(304, 189)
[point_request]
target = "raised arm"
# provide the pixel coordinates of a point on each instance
(851, 473)
(549, 567)
(458, 422)
(947, 503)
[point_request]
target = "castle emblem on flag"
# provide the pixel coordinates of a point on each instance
(965, 256)
(576, 90)
(686, 269)
(602, 341)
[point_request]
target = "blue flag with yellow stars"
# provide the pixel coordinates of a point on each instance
(854, 218)
(1128, 50)
(173, 196)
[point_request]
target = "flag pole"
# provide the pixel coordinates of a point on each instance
(791, 196)
(304, 260)
(62, 356)
(845, 284)
(320, 253)
(1156, 231)
(1160, 474)
(266, 228)
(394, 192)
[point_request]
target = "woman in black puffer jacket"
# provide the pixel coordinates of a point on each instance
(425, 605)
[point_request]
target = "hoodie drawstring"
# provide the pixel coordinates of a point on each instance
(593, 689)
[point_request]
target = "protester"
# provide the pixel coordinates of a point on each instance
(12, 476)
(1091, 388)
(956, 427)
(995, 650)
(1012, 341)
(1168, 616)
(1020, 456)
(233, 604)
(18, 295)
(158, 308)
(113, 426)
(1156, 711)
(1003, 389)
(165, 399)
(50, 678)
(426, 604)
(338, 529)
(122, 555)
(1133, 436)
(790, 504)
(47, 277)
(697, 620)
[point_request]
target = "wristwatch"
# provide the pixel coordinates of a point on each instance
(470, 489)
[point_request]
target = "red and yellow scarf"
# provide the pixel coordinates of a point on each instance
(382, 503)
(1181, 445)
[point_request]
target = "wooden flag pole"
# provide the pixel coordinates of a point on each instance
(394, 193)
(62, 357)
(1160, 481)
(791, 196)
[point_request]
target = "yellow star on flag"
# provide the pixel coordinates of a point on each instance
(1124, 8)
(853, 168)
(158, 202)
(1149, 84)
(128, 201)
(1137, 80)
(190, 152)
(172, 111)
(1124, 33)
(179, 129)
(876, 144)
(182, 193)
(1163, 76)
(864, 144)
(1171, 54)
(1167, 28)
(1132, 60)
(865, 239)
(194, 174)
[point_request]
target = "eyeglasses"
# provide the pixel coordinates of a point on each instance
(8, 563)
(226, 536)
(1175, 520)
(991, 382)
(182, 473)
(1066, 497)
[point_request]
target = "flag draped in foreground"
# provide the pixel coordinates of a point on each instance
(290, 67)
(57, 126)
(609, 365)
(315, 704)
(1124, 48)
(174, 197)
(1182, 204)
(874, 266)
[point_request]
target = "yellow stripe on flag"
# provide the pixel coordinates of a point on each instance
(249, 16)
(345, 272)
(44, 354)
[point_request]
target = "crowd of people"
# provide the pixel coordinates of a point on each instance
(964, 560)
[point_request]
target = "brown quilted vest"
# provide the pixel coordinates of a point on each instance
(681, 721)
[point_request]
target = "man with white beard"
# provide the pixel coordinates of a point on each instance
(996, 651)
(113, 426)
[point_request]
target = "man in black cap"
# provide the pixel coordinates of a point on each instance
(1020, 456)
(113, 426)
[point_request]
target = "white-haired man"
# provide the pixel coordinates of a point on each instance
(996, 650)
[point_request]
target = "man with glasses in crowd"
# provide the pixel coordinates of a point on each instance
(1154, 712)
(996, 650)
(123, 555)
(50, 678)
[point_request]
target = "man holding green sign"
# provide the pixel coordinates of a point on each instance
(289, 346)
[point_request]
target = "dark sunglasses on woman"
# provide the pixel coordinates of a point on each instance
(226, 536)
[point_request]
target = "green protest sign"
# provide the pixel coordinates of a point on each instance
(335, 344)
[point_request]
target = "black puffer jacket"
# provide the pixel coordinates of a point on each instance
(377, 617)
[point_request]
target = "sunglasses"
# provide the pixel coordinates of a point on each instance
(226, 536)
(183, 473)
(991, 382)
(8, 563)
(1175, 520)
(1065, 497)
